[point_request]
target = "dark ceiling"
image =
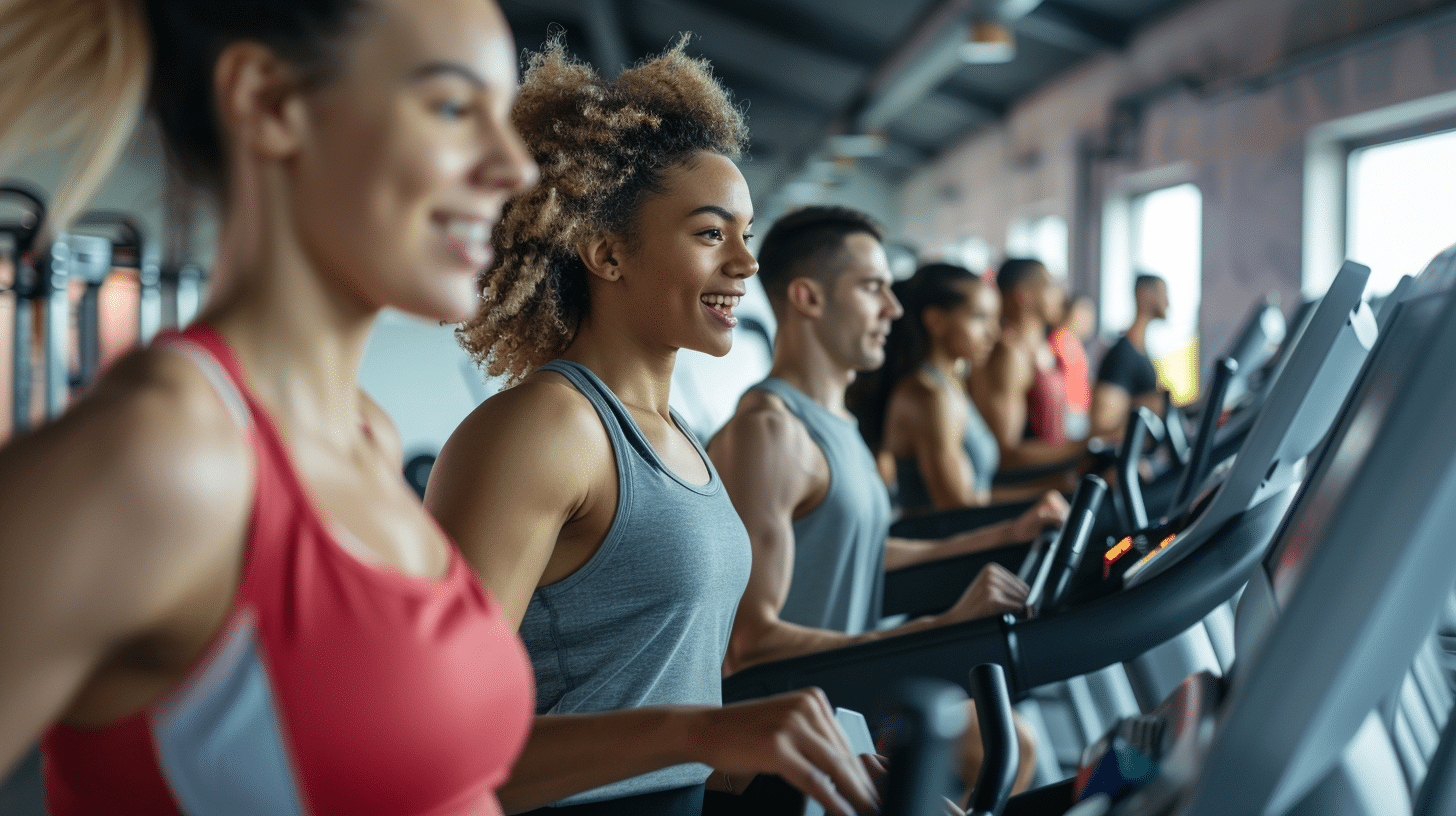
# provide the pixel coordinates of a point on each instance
(809, 70)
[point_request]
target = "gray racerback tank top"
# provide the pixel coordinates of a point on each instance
(911, 495)
(839, 546)
(646, 620)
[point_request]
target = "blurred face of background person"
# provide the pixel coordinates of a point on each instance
(860, 307)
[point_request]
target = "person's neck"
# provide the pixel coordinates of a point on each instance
(300, 339)
(952, 368)
(638, 373)
(802, 361)
(1027, 328)
(1137, 333)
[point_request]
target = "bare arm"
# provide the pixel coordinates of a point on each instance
(792, 735)
(522, 467)
(940, 453)
(511, 477)
(1110, 404)
(760, 456)
(1050, 512)
(124, 520)
(1000, 389)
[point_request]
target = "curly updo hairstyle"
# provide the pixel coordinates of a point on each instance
(602, 148)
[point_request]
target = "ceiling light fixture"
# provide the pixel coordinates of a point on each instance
(988, 42)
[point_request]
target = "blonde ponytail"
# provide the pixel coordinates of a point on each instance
(72, 73)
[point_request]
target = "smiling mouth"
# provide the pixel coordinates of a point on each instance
(470, 239)
(722, 305)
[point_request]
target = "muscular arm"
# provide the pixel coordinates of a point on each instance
(124, 521)
(1110, 404)
(761, 457)
(1051, 511)
(1000, 389)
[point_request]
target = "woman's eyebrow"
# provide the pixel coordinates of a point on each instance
(725, 214)
(429, 70)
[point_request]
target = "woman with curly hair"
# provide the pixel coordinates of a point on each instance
(217, 595)
(578, 495)
(914, 412)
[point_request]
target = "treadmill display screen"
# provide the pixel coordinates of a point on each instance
(1328, 483)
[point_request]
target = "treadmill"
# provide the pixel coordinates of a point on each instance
(1294, 731)
(1179, 581)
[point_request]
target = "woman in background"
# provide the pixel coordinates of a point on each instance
(929, 439)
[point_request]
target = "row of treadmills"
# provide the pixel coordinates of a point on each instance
(1331, 527)
(1322, 507)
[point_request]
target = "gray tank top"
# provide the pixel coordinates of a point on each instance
(646, 620)
(911, 495)
(839, 546)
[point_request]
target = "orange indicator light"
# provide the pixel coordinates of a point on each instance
(1167, 541)
(1118, 550)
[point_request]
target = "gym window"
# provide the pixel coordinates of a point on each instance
(1043, 238)
(1399, 206)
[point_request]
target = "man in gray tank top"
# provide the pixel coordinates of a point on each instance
(800, 475)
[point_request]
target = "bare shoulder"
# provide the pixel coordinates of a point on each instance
(1010, 365)
(763, 428)
(134, 496)
(540, 431)
(544, 410)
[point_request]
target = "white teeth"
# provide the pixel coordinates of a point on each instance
(722, 300)
(475, 231)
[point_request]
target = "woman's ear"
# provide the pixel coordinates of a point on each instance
(806, 296)
(601, 255)
(262, 112)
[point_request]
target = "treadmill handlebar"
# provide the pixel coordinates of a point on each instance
(1139, 423)
(1050, 647)
(1223, 377)
(921, 720)
(1000, 749)
(1074, 537)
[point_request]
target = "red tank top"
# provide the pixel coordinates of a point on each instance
(334, 687)
(1046, 405)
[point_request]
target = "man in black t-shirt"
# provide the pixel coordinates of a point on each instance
(1126, 378)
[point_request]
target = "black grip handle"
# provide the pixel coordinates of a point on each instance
(1000, 748)
(1135, 512)
(921, 719)
(1198, 464)
(1075, 533)
(29, 225)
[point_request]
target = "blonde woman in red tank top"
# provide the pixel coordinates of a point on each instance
(216, 592)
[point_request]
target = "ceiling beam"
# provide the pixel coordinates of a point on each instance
(1056, 23)
(793, 68)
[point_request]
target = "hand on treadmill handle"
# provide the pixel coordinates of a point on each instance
(793, 735)
(996, 590)
(1050, 511)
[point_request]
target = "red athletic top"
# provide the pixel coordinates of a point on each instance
(1072, 359)
(1046, 405)
(334, 687)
